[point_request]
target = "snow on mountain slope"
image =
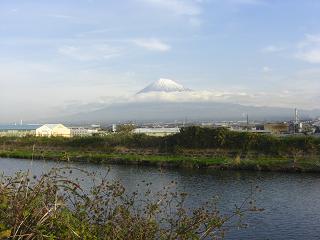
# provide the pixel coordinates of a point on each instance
(164, 85)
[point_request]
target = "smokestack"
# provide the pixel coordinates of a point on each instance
(296, 117)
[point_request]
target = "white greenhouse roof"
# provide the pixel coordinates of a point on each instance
(156, 130)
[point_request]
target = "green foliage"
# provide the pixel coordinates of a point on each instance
(125, 128)
(52, 206)
(189, 138)
(94, 141)
(221, 138)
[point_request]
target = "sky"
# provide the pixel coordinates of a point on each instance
(61, 56)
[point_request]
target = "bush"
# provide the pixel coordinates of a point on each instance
(54, 207)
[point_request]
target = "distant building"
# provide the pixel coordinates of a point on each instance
(157, 132)
(18, 130)
(82, 132)
(53, 130)
(277, 128)
(295, 128)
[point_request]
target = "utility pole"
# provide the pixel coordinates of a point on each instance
(296, 120)
(247, 122)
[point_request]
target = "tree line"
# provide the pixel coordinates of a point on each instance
(194, 137)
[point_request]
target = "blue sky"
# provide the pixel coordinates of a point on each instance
(61, 53)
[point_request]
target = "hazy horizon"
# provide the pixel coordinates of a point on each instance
(63, 57)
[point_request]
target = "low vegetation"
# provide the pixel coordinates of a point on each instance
(53, 206)
(192, 147)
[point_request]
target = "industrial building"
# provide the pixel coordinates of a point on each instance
(277, 128)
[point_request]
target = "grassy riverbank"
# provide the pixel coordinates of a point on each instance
(194, 148)
(254, 162)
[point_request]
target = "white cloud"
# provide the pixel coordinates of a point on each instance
(60, 16)
(89, 52)
(152, 44)
(195, 22)
(178, 7)
(94, 32)
(313, 38)
(190, 10)
(188, 96)
(14, 10)
(272, 49)
(309, 49)
(266, 69)
(246, 2)
(279, 98)
(311, 56)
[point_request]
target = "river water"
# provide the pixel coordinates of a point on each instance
(291, 200)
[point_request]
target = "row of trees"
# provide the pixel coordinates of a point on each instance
(221, 138)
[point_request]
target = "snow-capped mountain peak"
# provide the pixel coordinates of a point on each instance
(164, 85)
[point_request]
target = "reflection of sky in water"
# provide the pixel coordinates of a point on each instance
(291, 200)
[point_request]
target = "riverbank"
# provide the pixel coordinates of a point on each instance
(193, 147)
(248, 162)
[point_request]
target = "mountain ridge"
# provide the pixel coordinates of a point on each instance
(170, 111)
(144, 107)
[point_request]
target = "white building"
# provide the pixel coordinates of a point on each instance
(82, 132)
(53, 130)
(157, 132)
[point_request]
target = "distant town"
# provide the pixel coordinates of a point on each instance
(284, 128)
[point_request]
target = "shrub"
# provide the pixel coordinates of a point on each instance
(54, 207)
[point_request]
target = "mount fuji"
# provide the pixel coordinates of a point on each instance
(164, 85)
(158, 102)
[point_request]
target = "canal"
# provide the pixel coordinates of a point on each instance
(291, 200)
